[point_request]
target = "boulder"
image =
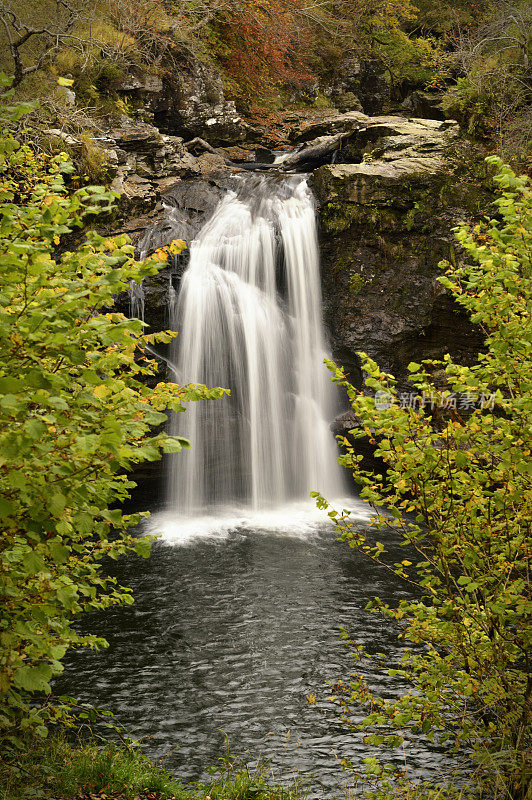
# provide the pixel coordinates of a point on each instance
(328, 125)
(424, 104)
(348, 101)
(313, 153)
(359, 84)
(140, 83)
(137, 194)
(373, 183)
(212, 164)
(240, 154)
(397, 159)
(69, 96)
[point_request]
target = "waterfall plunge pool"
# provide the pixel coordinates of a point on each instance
(237, 613)
(231, 629)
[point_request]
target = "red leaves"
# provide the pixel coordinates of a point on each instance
(265, 45)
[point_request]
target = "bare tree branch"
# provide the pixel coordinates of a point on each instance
(46, 38)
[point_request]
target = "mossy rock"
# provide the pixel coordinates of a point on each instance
(356, 283)
(338, 217)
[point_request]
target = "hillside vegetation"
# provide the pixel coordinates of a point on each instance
(278, 52)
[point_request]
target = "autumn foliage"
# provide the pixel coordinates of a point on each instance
(264, 45)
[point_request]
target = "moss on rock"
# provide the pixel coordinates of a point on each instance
(356, 283)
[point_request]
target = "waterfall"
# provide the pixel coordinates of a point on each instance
(136, 290)
(136, 299)
(248, 314)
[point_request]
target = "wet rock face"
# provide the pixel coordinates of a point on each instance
(188, 205)
(384, 229)
(185, 207)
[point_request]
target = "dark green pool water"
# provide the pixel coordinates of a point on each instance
(228, 635)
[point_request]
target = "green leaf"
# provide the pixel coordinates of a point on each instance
(33, 563)
(67, 596)
(461, 459)
(9, 384)
(35, 429)
(143, 547)
(57, 504)
(6, 507)
(34, 679)
(59, 552)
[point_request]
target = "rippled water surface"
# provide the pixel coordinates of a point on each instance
(228, 635)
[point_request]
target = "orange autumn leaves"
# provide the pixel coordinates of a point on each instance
(174, 248)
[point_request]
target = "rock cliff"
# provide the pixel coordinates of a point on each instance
(386, 208)
(385, 225)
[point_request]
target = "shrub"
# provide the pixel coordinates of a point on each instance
(75, 415)
(458, 494)
(94, 163)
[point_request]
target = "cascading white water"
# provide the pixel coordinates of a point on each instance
(136, 299)
(136, 290)
(249, 319)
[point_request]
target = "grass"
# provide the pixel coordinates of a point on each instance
(56, 769)
(238, 782)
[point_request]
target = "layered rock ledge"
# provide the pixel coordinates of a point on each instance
(385, 225)
(386, 209)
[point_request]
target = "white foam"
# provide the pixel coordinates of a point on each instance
(295, 520)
